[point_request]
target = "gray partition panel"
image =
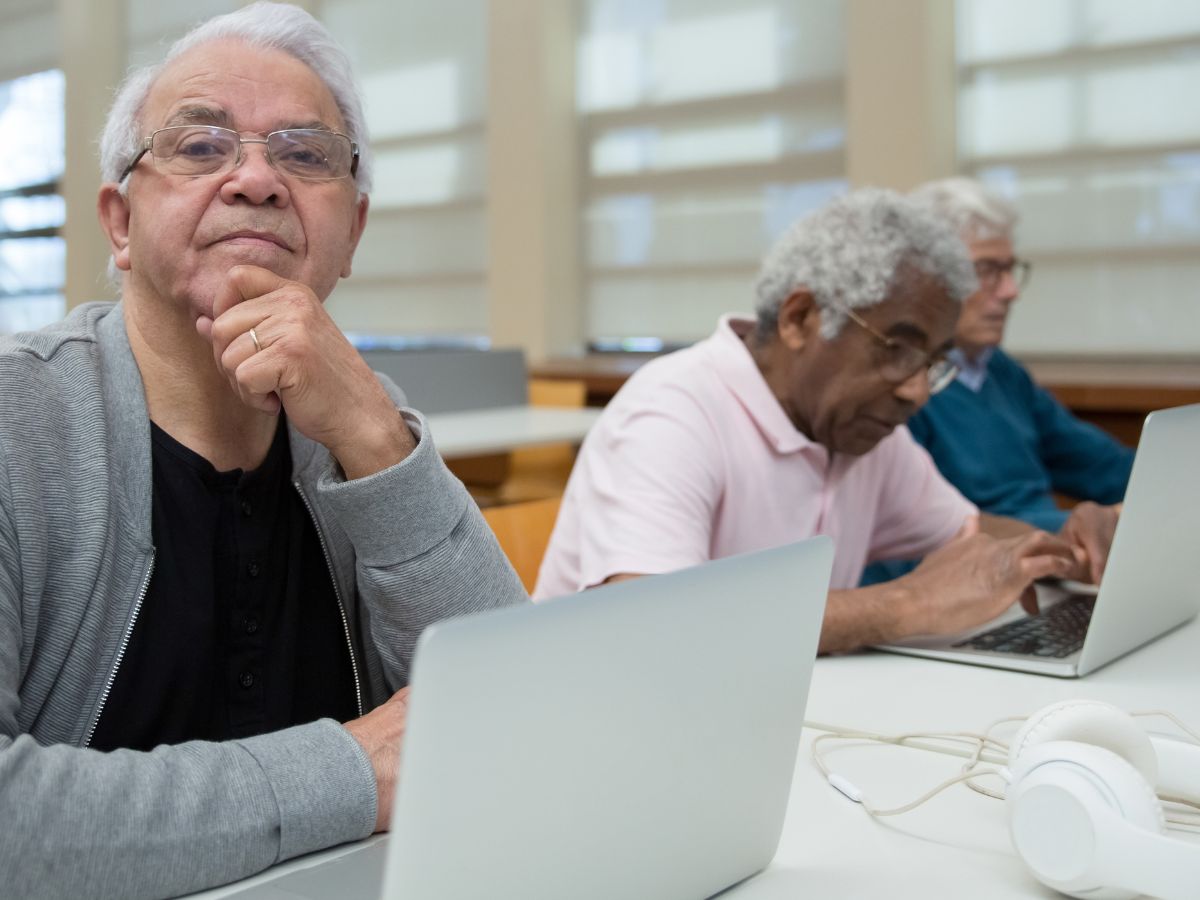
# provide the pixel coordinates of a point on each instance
(453, 380)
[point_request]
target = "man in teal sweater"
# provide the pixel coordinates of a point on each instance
(998, 437)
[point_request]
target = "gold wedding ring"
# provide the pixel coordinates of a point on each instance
(254, 337)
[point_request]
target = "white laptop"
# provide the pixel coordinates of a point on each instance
(1150, 584)
(634, 741)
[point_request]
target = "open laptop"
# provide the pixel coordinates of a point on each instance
(1149, 586)
(637, 740)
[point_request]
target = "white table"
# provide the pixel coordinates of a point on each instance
(501, 429)
(956, 845)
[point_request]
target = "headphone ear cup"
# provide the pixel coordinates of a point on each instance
(1088, 722)
(1069, 807)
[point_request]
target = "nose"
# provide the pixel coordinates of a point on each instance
(914, 390)
(254, 180)
(1007, 288)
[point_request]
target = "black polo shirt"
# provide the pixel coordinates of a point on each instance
(240, 632)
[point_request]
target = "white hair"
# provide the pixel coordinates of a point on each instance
(275, 26)
(975, 212)
(851, 254)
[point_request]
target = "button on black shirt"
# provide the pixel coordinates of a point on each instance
(240, 632)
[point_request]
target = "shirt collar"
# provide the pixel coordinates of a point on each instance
(737, 369)
(971, 373)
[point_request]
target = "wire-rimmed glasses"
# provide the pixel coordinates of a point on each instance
(313, 154)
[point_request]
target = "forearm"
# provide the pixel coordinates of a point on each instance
(422, 550)
(1002, 526)
(177, 819)
(865, 616)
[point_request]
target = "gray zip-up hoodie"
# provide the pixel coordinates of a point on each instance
(405, 546)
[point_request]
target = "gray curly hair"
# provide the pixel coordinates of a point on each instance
(975, 212)
(850, 254)
(276, 26)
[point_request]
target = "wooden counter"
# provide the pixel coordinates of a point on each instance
(1115, 394)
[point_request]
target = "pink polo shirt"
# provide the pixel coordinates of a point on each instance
(694, 459)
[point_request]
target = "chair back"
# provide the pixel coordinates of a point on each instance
(523, 530)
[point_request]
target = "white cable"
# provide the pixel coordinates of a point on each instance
(976, 752)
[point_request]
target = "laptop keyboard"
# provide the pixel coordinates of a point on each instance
(1055, 634)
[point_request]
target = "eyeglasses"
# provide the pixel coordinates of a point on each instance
(990, 271)
(902, 361)
(309, 153)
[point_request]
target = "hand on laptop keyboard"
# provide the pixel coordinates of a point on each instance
(1089, 530)
(973, 579)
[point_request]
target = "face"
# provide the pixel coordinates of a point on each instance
(176, 236)
(835, 391)
(985, 312)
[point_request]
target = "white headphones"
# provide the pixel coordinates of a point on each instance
(1083, 811)
(1082, 807)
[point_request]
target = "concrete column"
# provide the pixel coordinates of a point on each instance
(900, 92)
(92, 33)
(534, 297)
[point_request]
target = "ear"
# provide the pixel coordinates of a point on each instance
(357, 224)
(799, 319)
(113, 209)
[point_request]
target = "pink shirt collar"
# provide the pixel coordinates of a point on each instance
(736, 368)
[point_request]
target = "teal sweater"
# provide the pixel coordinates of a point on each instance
(1011, 446)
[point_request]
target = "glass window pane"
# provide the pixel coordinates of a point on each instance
(633, 54)
(700, 115)
(436, 309)
(1121, 22)
(1144, 104)
(405, 244)
(999, 29)
(26, 213)
(31, 129)
(1101, 153)
(28, 38)
(429, 174)
(1133, 308)
(420, 269)
(31, 265)
(1071, 206)
(702, 227)
(715, 141)
(30, 312)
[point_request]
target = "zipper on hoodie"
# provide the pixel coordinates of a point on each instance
(337, 594)
(112, 675)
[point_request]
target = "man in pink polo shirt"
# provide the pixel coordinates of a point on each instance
(791, 425)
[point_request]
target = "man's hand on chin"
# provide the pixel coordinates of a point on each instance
(276, 344)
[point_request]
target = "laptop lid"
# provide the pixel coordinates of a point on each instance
(1147, 588)
(637, 740)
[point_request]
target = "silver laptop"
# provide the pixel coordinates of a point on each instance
(637, 740)
(1149, 584)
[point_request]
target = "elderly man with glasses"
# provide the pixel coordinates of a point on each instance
(791, 425)
(220, 533)
(998, 437)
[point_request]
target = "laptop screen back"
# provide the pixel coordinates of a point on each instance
(637, 740)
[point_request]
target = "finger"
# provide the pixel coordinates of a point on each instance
(244, 283)
(1097, 551)
(239, 350)
(1042, 543)
(1047, 565)
(234, 323)
(257, 382)
(1029, 601)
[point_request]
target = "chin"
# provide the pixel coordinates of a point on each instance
(858, 445)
